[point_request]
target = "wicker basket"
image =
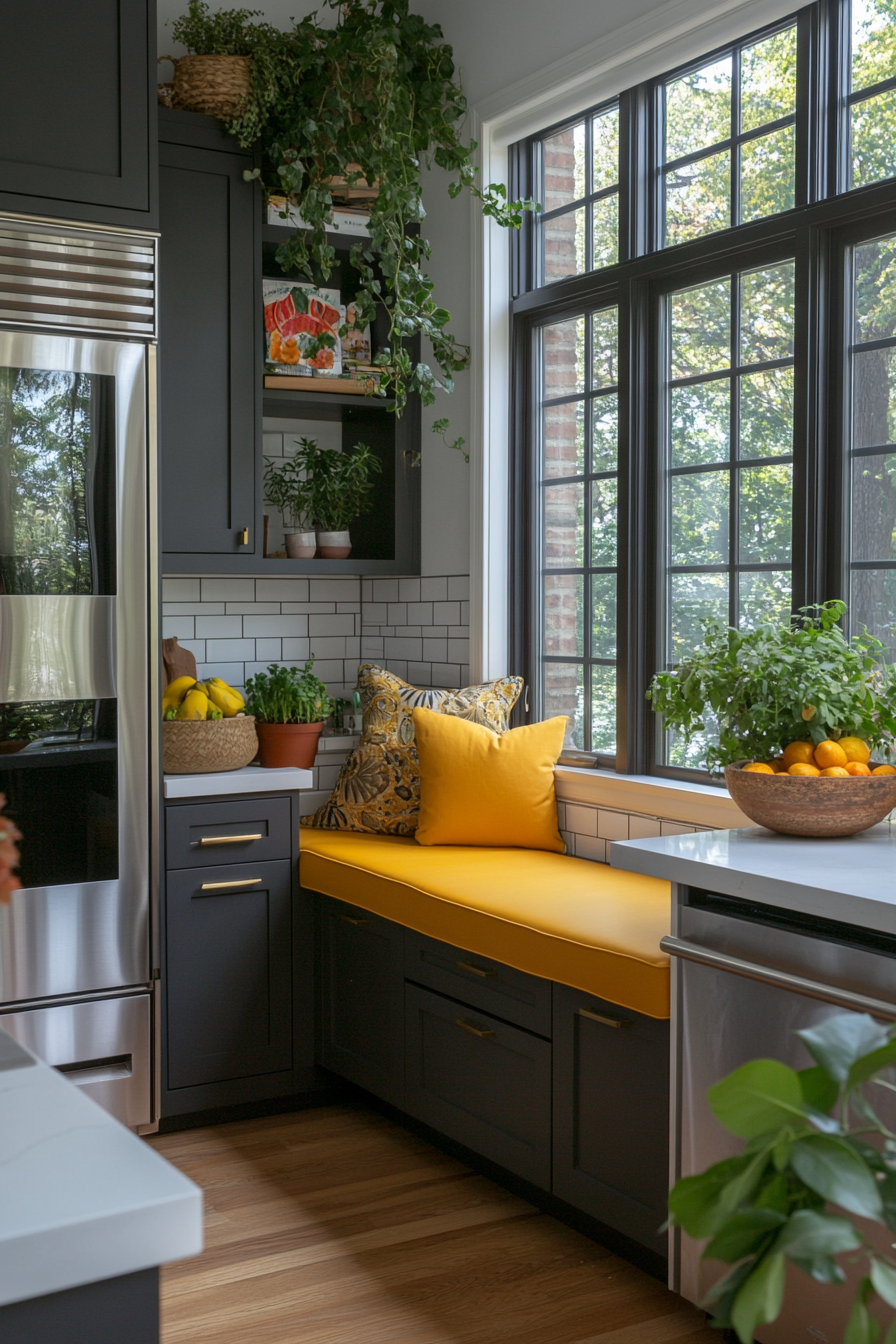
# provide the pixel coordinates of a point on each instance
(204, 746)
(217, 85)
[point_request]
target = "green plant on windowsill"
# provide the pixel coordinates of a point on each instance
(286, 695)
(778, 683)
(372, 99)
(807, 1147)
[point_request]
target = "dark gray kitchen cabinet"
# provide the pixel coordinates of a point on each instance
(362, 998)
(78, 110)
(209, 345)
(611, 1114)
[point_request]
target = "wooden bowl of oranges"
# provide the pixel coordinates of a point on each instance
(822, 790)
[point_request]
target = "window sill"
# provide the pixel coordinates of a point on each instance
(676, 800)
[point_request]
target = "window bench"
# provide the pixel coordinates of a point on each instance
(514, 1000)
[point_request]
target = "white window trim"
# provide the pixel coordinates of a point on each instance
(678, 32)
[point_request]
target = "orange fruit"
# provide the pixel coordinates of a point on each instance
(803, 768)
(757, 768)
(778, 765)
(883, 770)
(798, 753)
(835, 772)
(857, 768)
(829, 753)
(856, 749)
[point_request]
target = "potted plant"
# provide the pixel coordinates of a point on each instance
(290, 709)
(361, 105)
(812, 1140)
(781, 699)
(288, 489)
(215, 77)
(332, 489)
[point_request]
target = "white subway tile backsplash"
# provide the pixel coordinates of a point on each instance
(570, 841)
(675, 828)
(376, 613)
(435, 650)
(399, 667)
(331, 625)
(335, 590)
(367, 590)
(270, 649)
(612, 825)
(329, 646)
(371, 648)
(458, 650)
(434, 589)
(219, 627)
(446, 613)
(279, 626)
(459, 587)
(229, 650)
(180, 627)
(404, 648)
(385, 590)
(446, 675)
(419, 613)
(330, 670)
(252, 608)
(409, 590)
(346, 608)
(308, 608)
(587, 847)
(232, 673)
(396, 613)
(296, 650)
(643, 828)
(582, 820)
(228, 590)
(192, 608)
(281, 590)
(180, 590)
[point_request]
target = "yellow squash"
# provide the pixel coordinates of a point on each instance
(194, 705)
(229, 701)
(175, 691)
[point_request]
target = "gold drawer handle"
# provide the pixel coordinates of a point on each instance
(347, 919)
(229, 839)
(474, 1031)
(226, 886)
(605, 1021)
(475, 970)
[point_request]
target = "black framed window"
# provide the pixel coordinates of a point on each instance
(705, 405)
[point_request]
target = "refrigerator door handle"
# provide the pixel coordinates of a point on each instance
(798, 984)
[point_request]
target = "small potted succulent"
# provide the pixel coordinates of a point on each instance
(290, 709)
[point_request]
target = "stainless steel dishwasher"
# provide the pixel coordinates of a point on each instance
(745, 978)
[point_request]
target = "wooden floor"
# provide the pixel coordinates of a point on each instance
(337, 1226)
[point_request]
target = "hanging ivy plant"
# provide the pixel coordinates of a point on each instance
(374, 100)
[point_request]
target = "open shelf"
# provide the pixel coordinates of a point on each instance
(283, 402)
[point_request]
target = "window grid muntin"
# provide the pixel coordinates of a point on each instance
(586, 202)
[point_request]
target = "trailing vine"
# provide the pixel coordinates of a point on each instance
(373, 99)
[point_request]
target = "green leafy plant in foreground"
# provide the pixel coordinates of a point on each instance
(286, 695)
(807, 1138)
(778, 683)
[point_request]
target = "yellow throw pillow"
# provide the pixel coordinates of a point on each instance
(480, 789)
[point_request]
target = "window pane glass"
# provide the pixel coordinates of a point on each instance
(872, 601)
(603, 522)
(874, 139)
(767, 175)
(603, 709)
(603, 615)
(873, 42)
(766, 511)
(768, 80)
(564, 532)
(873, 397)
(698, 198)
(765, 594)
(563, 239)
(563, 614)
(604, 352)
(563, 356)
(698, 109)
(766, 321)
(564, 167)
(692, 598)
(874, 507)
(563, 439)
(604, 433)
(701, 329)
(605, 231)
(564, 693)
(766, 413)
(700, 425)
(700, 518)
(605, 139)
(875, 315)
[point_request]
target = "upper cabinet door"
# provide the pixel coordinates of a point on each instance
(208, 343)
(78, 109)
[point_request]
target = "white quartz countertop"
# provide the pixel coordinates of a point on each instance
(852, 879)
(81, 1197)
(251, 779)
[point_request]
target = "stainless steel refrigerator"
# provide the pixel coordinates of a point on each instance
(78, 650)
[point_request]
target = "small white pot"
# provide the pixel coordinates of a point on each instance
(300, 545)
(334, 545)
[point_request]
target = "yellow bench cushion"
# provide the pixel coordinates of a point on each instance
(580, 923)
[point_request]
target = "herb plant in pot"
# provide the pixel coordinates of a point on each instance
(340, 490)
(290, 709)
(286, 487)
(793, 713)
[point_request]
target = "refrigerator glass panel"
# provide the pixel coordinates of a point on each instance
(59, 772)
(57, 482)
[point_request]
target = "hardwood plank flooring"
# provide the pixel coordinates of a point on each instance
(338, 1226)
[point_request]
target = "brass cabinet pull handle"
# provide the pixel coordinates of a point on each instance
(229, 839)
(475, 970)
(347, 919)
(226, 886)
(487, 1035)
(605, 1021)
(243, 538)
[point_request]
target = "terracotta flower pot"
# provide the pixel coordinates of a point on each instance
(300, 545)
(334, 545)
(288, 744)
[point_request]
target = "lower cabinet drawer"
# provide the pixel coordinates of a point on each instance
(251, 830)
(481, 1082)
(103, 1047)
(524, 1000)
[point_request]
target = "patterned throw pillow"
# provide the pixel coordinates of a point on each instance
(378, 789)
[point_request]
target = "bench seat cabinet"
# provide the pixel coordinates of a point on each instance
(237, 956)
(611, 1114)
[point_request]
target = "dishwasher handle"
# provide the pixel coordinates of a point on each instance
(768, 975)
